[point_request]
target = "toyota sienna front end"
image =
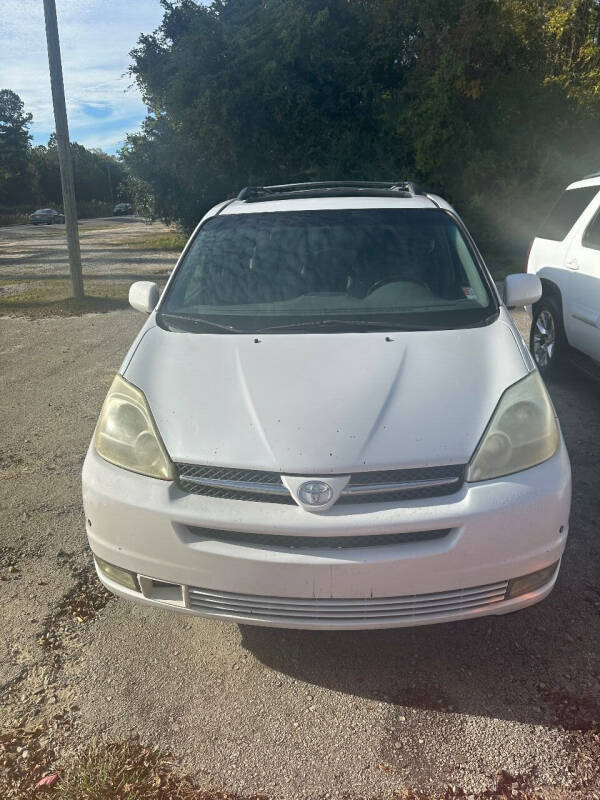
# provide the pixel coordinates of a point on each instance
(329, 420)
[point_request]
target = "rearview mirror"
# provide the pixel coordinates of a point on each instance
(522, 290)
(143, 296)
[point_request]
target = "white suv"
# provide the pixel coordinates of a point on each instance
(329, 420)
(566, 256)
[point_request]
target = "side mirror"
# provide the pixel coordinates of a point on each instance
(143, 296)
(522, 290)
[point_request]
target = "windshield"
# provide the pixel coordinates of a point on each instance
(341, 270)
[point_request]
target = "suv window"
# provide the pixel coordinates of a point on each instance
(343, 270)
(566, 212)
(591, 237)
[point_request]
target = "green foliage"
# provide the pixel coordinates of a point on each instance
(139, 193)
(98, 177)
(30, 176)
(173, 243)
(485, 101)
(14, 148)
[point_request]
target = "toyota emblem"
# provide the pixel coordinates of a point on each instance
(315, 493)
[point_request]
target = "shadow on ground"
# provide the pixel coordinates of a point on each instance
(539, 666)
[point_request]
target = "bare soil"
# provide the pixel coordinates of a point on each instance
(496, 707)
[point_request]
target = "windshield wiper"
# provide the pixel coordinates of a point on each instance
(342, 323)
(195, 322)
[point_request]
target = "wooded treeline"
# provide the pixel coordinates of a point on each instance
(493, 103)
(30, 176)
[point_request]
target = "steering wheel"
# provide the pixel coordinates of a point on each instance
(393, 279)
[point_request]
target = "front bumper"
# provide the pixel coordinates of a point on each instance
(498, 530)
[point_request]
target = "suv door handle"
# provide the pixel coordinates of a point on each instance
(573, 264)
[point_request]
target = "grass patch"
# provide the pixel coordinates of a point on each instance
(49, 298)
(128, 771)
(172, 242)
(119, 772)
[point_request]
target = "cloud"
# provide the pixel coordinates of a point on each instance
(103, 104)
(97, 110)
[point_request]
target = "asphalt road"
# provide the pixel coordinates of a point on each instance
(292, 714)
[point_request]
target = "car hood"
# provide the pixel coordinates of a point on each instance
(325, 403)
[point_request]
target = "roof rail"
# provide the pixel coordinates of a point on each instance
(591, 175)
(253, 194)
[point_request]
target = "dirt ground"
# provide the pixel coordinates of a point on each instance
(107, 250)
(292, 714)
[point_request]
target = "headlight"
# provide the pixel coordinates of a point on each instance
(126, 434)
(522, 432)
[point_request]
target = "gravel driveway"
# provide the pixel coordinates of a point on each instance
(290, 714)
(28, 251)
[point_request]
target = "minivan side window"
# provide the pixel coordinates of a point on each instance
(566, 212)
(591, 237)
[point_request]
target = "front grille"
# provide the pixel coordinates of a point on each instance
(188, 472)
(449, 479)
(281, 542)
(311, 610)
(382, 486)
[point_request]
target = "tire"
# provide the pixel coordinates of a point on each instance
(547, 340)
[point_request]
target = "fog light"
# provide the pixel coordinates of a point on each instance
(531, 582)
(117, 574)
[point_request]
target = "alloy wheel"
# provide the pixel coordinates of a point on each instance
(544, 339)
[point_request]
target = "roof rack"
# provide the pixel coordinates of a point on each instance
(253, 194)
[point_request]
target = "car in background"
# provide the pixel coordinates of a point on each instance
(329, 420)
(46, 216)
(122, 210)
(565, 255)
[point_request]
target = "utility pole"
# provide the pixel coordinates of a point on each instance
(64, 148)
(110, 189)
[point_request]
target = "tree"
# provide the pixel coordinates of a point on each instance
(98, 176)
(494, 103)
(572, 32)
(247, 92)
(14, 148)
(31, 175)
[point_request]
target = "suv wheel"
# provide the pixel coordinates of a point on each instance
(547, 337)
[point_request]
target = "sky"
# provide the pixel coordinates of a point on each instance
(96, 36)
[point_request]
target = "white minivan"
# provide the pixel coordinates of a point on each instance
(329, 420)
(565, 255)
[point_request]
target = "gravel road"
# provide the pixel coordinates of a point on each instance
(107, 249)
(290, 714)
